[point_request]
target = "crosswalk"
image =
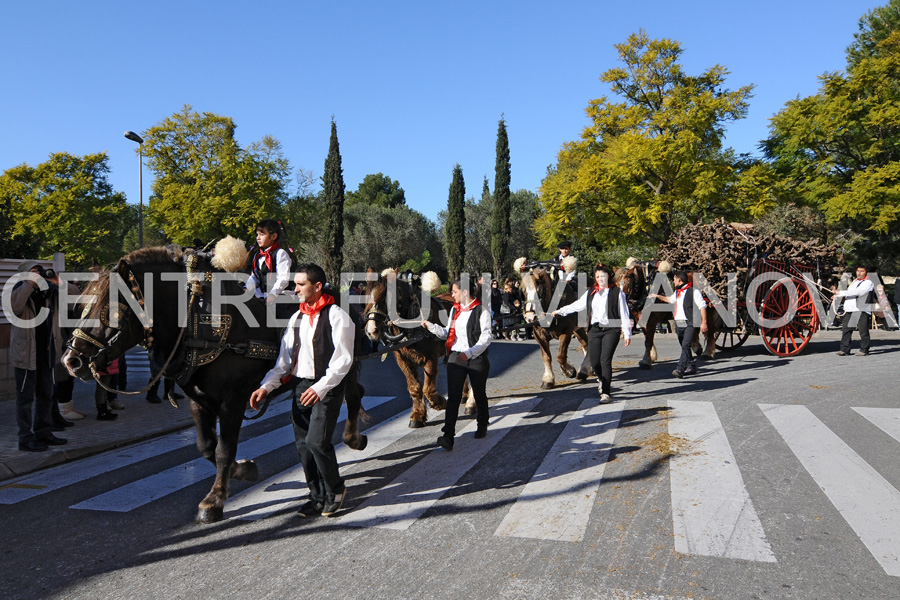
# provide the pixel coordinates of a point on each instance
(712, 514)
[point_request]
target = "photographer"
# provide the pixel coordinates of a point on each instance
(35, 347)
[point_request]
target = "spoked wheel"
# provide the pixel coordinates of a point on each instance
(735, 338)
(789, 304)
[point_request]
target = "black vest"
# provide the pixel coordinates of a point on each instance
(261, 272)
(473, 332)
(612, 305)
(688, 305)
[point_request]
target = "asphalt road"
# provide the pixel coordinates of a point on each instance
(761, 477)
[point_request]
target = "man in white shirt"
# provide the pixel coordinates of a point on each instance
(565, 250)
(857, 312)
(317, 353)
(688, 301)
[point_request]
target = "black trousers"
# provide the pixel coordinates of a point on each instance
(476, 370)
(685, 337)
(313, 429)
(862, 325)
(602, 343)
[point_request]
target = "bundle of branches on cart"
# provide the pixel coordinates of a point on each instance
(720, 248)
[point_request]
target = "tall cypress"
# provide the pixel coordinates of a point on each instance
(455, 239)
(500, 216)
(485, 190)
(333, 180)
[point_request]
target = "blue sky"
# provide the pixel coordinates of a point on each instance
(415, 87)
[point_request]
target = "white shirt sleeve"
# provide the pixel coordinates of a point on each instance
(438, 330)
(699, 302)
(625, 316)
(577, 306)
(282, 271)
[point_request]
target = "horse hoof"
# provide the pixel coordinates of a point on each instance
(470, 411)
(246, 470)
(546, 385)
(363, 442)
(210, 515)
(644, 366)
(416, 423)
(582, 377)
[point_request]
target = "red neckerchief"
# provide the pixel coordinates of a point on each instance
(681, 290)
(313, 309)
(597, 287)
(863, 279)
(457, 310)
(267, 254)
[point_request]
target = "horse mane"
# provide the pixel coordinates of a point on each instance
(153, 255)
(99, 288)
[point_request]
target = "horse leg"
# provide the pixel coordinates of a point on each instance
(585, 371)
(419, 415)
(469, 394)
(562, 355)
(650, 355)
(437, 401)
(353, 395)
(548, 381)
(212, 507)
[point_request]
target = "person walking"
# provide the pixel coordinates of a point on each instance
(468, 336)
(858, 300)
(608, 319)
(687, 300)
(316, 352)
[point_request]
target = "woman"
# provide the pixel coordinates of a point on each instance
(607, 316)
(468, 337)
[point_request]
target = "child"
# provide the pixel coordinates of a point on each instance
(272, 257)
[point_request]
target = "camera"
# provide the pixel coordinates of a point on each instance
(48, 273)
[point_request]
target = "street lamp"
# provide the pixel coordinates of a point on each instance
(136, 138)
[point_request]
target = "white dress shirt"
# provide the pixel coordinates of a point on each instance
(599, 315)
(678, 299)
(858, 289)
(461, 344)
(282, 274)
(342, 336)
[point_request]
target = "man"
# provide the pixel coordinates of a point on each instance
(565, 249)
(687, 301)
(317, 352)
(35, 345)
(857, 312)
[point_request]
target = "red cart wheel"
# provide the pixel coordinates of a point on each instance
(735, 338)
(797, 317)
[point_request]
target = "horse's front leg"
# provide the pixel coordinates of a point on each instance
(212, 507)
(649, 349)
(585, 371)
(419, 415)
(437, 401)
(353, 395)
(562, 355)
(549, 380)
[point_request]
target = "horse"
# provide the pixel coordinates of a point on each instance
(389, 295)
(538, 293)
(633, 281)
(219, 363)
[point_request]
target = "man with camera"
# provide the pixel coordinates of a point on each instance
(35, 347)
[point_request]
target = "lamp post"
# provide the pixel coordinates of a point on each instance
(136, 138)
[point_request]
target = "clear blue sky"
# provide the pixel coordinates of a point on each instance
(415, 87)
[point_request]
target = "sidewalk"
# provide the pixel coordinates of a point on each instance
(139, 420)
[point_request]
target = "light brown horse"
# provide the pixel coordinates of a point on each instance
(539, 290)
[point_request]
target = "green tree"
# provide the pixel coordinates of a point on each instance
(500, 218)
(455, 230)
(378, 190)
(65, 204)
(645, 166)
(378, 237)
(333, 206)
(206, 186)
(874, 27)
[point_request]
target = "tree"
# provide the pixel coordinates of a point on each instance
(455, 230)
(65, 204)
(378, 190)
(874, 27)
(333, 205)
(206, 185)
(651, 163)
(377, 237)
(500, 217)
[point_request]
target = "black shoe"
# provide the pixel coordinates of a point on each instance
(52, 440)
(678, 374)
(104, 414)
(333, 503)
(445, 442)
(60, 421)
(310, 508)
(691, 372)
(480, 432)
(154, 399)
(33, 446)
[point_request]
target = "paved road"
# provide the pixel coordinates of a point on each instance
(759, 478)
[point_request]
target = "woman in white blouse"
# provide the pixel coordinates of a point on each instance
(607, 317)
(468, 336)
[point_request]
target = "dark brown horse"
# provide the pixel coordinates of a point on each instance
(539, 291)
(221, 382)
(389, 298)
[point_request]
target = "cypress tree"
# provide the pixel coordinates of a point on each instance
(455, 242)
(485, 190)
(500, 216)
(333, 194)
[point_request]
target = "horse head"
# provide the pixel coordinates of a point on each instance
(538, 287)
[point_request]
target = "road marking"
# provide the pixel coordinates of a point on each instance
(712, 513)
(83, 469)
(886, 419)
(398, 504)
(278, 492)
(869, 504)
(159, 485)
(556, 503)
